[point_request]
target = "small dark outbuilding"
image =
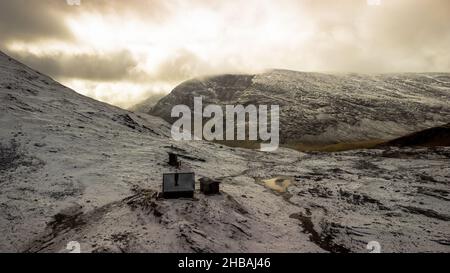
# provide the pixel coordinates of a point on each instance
(209, 186)
(173, 160)
(178, 185)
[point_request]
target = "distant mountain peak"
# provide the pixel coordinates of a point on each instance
(328, 108)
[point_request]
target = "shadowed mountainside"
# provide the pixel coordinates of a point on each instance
(436, 136)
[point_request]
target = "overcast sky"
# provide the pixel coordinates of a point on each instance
(120, 51)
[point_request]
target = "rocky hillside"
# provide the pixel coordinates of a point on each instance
(325, 108)
(436, 136)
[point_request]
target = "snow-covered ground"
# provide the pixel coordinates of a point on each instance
(86, 171)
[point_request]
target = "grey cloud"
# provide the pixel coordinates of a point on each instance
(32, 20)
(398, 36)
(182, 65)
(100, 67)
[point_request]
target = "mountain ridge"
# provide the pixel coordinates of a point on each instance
(318, 108)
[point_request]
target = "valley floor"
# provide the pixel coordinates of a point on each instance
(334, 202)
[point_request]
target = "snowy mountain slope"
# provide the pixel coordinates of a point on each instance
(74, 169)
(147, 104)
(325, 108)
